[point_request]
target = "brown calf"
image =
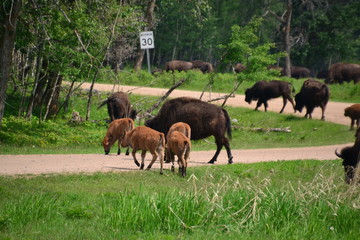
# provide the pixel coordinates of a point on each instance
(115, 133)
(353, 112)
(181, 127)
(178, 144)
(146, 139)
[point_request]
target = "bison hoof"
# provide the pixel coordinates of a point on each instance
(211, 161)
(230, 160)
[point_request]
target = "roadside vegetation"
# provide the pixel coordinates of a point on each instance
(273, 200)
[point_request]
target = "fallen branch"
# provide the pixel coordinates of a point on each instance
(160, 100)
(286, 130)
(220, 98)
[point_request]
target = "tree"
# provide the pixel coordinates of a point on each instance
(244, 47)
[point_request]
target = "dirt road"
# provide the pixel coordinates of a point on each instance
(58, 163)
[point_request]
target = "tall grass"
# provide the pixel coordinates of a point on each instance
(211, 203)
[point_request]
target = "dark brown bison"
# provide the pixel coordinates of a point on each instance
(119, 106)
(312, 94)
(351, 158)
(238, 68)
(353, 112)
(205, 67)
(178, 65)
(263, 91)
(323, 74)
(297, 72)
(204, 119)
(343, 72)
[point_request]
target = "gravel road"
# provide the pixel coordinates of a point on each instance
(74, 163)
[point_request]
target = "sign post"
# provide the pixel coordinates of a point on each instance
(147, 42)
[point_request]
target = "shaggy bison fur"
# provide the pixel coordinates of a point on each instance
(204, 119)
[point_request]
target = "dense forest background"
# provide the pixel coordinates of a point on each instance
(44, 42)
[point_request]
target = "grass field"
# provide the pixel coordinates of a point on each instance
(274, 200)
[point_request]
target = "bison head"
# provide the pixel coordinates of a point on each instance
(347, 112)
(299, 102)
(350, 160)
(248, 95)
(107, 143)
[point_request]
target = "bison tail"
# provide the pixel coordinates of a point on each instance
(103, 102)
(228, 124)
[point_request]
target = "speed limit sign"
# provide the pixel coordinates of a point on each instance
(146, 40)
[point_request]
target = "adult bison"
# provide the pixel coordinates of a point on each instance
(178, 65)
(298, 72)
(351, 158)
(204, 119)
(263, 91)
(343, 72)
(119, 106)
(205, 67)
(312, 94)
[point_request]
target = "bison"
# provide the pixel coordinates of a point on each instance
(119, 106)
(205, 67)
(204, 119)
(343, 72)
(178, 144)
(182, 127)
(145, 139)
(353, 112)
(299, 72)
(238, 68)
(351, 158)
(178, 65)
(263, 91)
(312, 94)
(116, 132)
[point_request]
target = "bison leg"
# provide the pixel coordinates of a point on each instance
(119, 144)
(134, 157)
(323, 112)
(284, 104)
(143, 153)
(292, 102)
(220, 144)
(352, 124)
(258, 104)
(358, 122)
(127, 151)
(155, 155)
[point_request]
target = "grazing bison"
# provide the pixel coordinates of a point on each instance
(351, 158)
(119, 106)
(353, 112)
(116, 132)
(263, 91)
(178, 144)
(312, 94)
(178, 65)
(343, 72)
(146, 139)
(204, 119)
(205, 67)
(239, 68)
(296, 72)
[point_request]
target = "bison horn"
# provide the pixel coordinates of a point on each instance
(337, 154)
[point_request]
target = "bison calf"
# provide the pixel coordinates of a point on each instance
(178, 144)
(263, 91)
(146, 139)
(353, 112)
(115, 133)
(312, 94)
(182, 127)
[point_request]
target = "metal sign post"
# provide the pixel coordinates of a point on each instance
(147, 42)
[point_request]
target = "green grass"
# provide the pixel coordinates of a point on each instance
(274, 200)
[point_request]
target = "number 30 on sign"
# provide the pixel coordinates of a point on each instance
(146, 40)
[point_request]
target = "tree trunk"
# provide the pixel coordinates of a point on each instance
(287, 42)
(149, 19)
(9, 13)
